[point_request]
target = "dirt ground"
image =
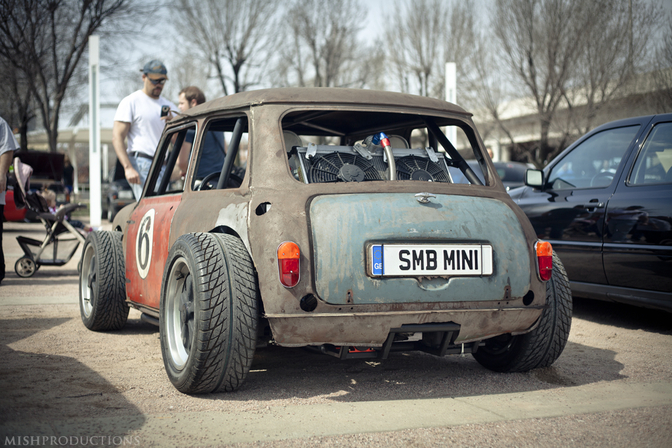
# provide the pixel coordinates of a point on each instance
(54, 369)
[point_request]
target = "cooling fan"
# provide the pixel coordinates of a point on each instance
(337, 166)
(420, 168)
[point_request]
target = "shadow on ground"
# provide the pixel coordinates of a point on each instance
(41, 389)
(623, 316)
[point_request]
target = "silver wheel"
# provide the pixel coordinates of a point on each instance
(25, 267)
(179, 303)
(87, 280)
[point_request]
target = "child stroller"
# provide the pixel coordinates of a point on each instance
(62, 239)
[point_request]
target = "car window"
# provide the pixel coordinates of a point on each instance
(220, 137)
(350, 146)
(654, 162)
(509, 173)
(594, 162)
(164, 177)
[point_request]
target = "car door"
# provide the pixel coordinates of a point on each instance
(638, 233)
(569, 210)
(150, 223)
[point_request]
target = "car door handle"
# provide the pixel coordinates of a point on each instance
(594, 206)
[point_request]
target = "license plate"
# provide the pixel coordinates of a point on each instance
(414, 260)
(125, 194)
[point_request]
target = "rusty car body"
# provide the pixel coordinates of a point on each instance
(330, 222)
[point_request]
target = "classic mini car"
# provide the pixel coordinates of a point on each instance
(326, 218)
(605, 203)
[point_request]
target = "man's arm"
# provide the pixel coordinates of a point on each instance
(120, 131)
(183, 158)
(5, 160)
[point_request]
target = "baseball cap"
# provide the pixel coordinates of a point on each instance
(155, 69)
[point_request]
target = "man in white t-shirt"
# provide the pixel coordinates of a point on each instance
(7, 147)
(139, 119)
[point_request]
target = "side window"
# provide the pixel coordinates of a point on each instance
(224, 142)
(594, 162)
(654, 162)
(165, 177)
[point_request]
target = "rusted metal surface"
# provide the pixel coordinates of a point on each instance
(271, 207)
(372, 329)
(342, 225)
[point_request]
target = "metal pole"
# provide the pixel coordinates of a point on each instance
(451, 97)
(95, 208)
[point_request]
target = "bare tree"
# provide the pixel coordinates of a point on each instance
(422, 36)
(322, 49)
(46, 39)
(542, 41)
(232, 36)
(567, 55)
(16, 100)
(663, 73)
(617, 41)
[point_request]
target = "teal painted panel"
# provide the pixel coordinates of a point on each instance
(343, 225)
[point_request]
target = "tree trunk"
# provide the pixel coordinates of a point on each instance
(23, 132)
(544, 149)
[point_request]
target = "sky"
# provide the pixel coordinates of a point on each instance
(117, 83)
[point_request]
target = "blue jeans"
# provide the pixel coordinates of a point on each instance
(142, 166)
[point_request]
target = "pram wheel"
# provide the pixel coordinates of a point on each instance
(25, 267)
(102, 288)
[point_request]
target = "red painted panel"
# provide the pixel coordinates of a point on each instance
(11, 212)
(147, 248)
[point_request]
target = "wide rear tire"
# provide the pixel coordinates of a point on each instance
(209, 313)
(102, 287)
(543, 345)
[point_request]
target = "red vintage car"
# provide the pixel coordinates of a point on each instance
(325, 218)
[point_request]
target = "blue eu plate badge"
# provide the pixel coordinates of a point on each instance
(377, 259)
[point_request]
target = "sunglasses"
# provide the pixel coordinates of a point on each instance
(158, 81)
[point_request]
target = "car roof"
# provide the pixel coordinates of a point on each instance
(322, 95)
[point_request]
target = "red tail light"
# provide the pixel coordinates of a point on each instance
(545, 259)
(288, 263)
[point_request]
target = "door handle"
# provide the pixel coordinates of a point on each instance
(594, 206)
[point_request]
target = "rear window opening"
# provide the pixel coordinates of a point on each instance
(356, 146)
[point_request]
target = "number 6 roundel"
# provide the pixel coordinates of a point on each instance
(143, 243)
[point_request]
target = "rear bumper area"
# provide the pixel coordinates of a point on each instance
(373, 329)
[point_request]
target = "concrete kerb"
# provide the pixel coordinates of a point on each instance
(297, 422)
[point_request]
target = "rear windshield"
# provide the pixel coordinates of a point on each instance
(356, 146)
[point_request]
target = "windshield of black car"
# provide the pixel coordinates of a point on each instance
(354, 146)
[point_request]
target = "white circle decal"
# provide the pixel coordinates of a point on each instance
(143, 243)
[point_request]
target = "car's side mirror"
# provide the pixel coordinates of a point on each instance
(534, 178)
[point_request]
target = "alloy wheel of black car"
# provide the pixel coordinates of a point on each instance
(208, 317)
(102, 288)
(543, 345)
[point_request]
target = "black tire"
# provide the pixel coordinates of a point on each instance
(209, 313)
(543, 345)
(111, 212)
(102, 286)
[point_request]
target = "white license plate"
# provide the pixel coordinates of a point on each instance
(413, 260)
(125, 194)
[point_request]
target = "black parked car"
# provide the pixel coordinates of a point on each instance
(511, 173)
(605, 204)
(117, 194)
